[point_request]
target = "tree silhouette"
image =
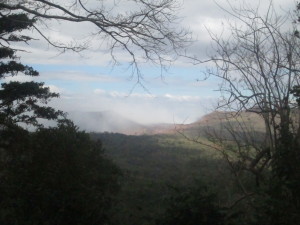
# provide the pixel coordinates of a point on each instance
(148, 32)
(52, 175)
(20, 102)
(258, 66)
(56, 176)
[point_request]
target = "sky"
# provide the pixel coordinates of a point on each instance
(88, 82)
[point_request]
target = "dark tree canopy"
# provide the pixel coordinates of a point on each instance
(56, 176)
(52, 176)
(20, 102)
(192, 205)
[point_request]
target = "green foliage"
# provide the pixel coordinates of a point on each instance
(191, 206)
(285, 182)
(283, 192)
(14, 22)
(52, 176)
(13, 68)
(154, 163)
(17, 99)
(296, 92)
(6, 53)
(56, 176)
(20, 102)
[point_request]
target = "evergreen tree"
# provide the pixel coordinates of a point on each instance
(56, 176)
(20, 102)
(52, 176)
(192, 206)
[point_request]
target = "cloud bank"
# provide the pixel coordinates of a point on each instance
(139, 107)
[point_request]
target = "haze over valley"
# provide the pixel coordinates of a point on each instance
(149, 112)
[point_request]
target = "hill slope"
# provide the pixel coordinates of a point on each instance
(152, 164)
(109, 121)
(105, 121)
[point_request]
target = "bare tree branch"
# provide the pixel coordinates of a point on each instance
(148, 32)
(258, 64)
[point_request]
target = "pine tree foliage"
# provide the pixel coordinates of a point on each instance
(52, 176)
(56, 176)
(192, 205)
(20, 102)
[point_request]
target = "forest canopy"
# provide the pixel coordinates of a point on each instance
(60, 175)
(52, 175)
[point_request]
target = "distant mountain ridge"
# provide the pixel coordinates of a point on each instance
(218, 119)
(109, 121)
(105, 121)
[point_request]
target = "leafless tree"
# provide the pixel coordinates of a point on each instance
(258, 64)
(148, 31)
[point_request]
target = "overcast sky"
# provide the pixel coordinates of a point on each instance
(87, 82)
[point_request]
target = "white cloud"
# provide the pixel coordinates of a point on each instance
(78, 76)
(99, 91)
(20, 78)
(122, 95)
(117, 94)
(54, 89)
(196, 15)
(164, 106)
(139, 107)
(182, 98)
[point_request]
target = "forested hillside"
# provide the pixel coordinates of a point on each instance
(239, 165)
(155, 166)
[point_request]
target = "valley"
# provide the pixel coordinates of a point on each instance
(152, 166)
(162, 159)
